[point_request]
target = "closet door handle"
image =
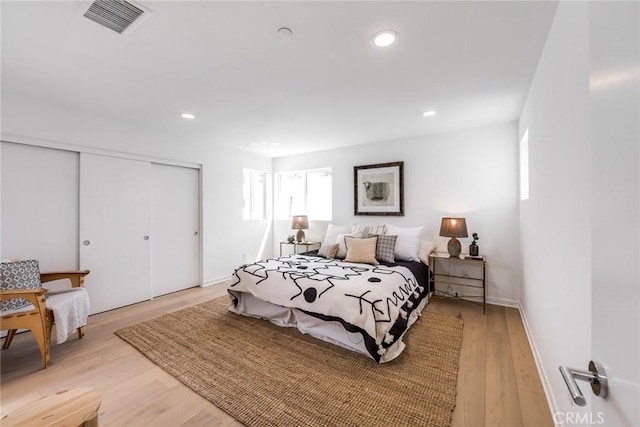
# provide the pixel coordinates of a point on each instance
(145, 238)
(195, 233)
(86, 242)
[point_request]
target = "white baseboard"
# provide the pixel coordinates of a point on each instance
(215, 281)
(544, 379)
(503, 302)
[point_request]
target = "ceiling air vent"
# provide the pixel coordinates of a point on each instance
(117, 15)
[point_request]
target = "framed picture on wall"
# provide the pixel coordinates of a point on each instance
(378, 189)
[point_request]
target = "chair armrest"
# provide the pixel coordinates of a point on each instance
(19, 293)
(76, 277)
(34, 296)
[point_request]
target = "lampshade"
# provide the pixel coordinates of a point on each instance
(300, 222)
(453, 227)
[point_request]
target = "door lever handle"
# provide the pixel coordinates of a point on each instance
(595, 375)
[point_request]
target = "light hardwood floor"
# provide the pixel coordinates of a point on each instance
(498, 384)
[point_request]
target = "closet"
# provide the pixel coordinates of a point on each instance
(133, 223)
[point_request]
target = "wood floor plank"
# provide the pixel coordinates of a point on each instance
(502, 403)
(496, 366)
(470, 404)
(535, 411)
(128, 407)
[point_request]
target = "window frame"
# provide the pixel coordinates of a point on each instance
(286, 213)
(250, 199)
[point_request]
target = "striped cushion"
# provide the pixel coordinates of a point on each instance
(369, 229)
(18, 275)
(377, 229)
(385, 247)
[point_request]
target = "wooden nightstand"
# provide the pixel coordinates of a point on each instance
(459, 273)
(295, 245)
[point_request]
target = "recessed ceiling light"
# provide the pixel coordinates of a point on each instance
(187, 116)
(429, 113)
(384, 38)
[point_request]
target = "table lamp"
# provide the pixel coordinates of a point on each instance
(300, 222)
(453, 227)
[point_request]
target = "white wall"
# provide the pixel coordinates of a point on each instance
(471, 173)
(555, 223)
(227, 239)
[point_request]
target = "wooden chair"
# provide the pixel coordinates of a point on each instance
(23, 302)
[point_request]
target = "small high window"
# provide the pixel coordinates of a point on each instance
(254, 192)
(524, 166)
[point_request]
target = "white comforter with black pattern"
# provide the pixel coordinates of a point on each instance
(373, 300)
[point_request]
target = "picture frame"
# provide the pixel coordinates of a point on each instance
(379, 189)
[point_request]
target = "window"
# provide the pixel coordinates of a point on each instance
(524, 166)
(254, 193)
(304, 193)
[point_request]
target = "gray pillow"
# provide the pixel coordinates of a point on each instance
(328, 250)
(385, 247)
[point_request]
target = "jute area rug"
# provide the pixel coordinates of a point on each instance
(265, 375)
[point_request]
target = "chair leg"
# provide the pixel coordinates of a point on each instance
(43, 343)
(80, 333)
(42, 338)
(7, 341)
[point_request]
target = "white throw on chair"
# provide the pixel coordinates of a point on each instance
(25, 304)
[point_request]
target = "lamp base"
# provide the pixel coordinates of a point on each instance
(300, 236)
(454, 247)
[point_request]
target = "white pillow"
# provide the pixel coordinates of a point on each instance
(333, 231)
(408, 242)
(342, 246)
(426, 248)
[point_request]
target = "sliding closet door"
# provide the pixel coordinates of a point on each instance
(40, 205)
(114, 230)
(175, 237)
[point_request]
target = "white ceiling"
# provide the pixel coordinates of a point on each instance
(324, 88)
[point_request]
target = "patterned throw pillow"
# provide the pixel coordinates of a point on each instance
(385, 248)
(18, 275)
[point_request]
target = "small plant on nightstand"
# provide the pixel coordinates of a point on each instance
(473, 247)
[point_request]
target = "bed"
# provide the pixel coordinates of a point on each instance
(361, 307)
